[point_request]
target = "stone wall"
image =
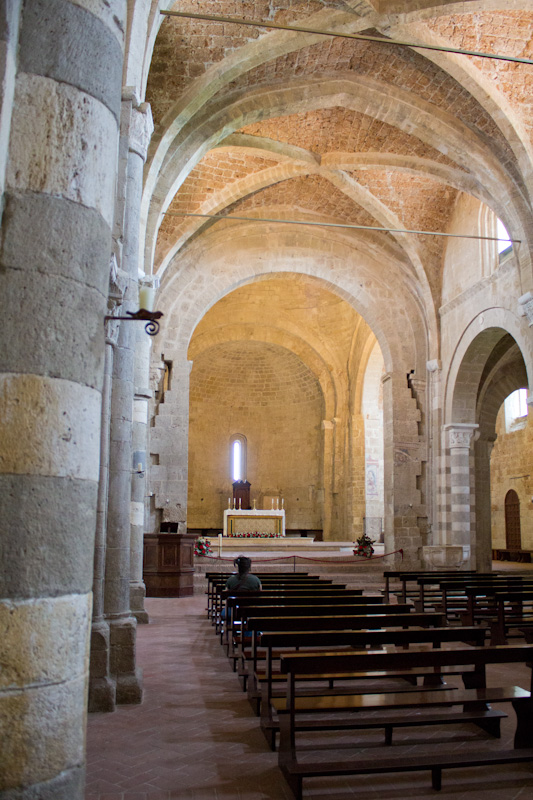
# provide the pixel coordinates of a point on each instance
(268, 395)
(511, 467)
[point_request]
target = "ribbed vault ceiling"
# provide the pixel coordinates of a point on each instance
(375, 134)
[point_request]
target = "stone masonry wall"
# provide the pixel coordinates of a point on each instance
(511, 467)
(265, 393)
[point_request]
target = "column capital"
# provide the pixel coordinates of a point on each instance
(526, 306)
(460, 434)
(141, 129)
(434, 365)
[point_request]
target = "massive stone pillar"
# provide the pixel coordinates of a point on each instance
(404, 451)
(461, 527)
(54, 267)
(136, 129)
(139, 482)
(169, 446)
(482, 549)
(101, 689)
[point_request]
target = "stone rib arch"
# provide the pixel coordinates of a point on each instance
(385, 307)
(359, 195)
(480, 86)
(471, 353)
(397, 109)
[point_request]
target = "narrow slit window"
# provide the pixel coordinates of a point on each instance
(238, 457)
(237, 466)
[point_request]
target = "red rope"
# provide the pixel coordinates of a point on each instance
(307, 558)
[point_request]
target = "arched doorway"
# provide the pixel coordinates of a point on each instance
(513, 536)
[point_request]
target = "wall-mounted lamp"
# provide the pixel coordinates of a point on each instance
(151, 327)
(145, 312)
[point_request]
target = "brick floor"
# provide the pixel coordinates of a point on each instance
(195, 737)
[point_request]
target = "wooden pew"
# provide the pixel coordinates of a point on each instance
(256, 625)
(215, 579)
(278, 643)
(514, 612)
(293, 608)
(410, 576)
(451, 595)
(269, 583)
(302, 596)
(351, 711)
(313, 583)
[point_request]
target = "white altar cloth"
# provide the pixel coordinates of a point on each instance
(254, 520)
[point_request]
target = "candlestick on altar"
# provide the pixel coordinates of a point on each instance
(229, 502)
(272, 504)
(277, 503)
(282, 501)
(240, 502)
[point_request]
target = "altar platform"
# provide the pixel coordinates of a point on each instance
(333, 560)
(226, 546)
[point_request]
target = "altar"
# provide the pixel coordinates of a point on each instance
(252, 522)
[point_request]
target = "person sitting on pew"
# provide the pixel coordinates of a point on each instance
(244, 581)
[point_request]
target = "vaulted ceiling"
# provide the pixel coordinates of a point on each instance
(272, 124)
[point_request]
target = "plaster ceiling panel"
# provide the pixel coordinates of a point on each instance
(506, 32)
(186, 48)
(339, 129)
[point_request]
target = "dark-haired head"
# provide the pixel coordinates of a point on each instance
(243, 564)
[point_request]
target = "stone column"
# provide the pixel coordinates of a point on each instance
(482, 549)
(169, 442)
(403, 452)
(461, 526)
(328, 429)
(136, 129)
(101, 689)
(54, 267)
(139, 483)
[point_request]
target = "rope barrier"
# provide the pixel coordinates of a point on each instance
(352, 560)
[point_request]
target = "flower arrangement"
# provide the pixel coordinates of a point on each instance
(364, 546)
(202, 547)
(256, 535)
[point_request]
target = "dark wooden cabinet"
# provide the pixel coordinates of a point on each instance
(241, 494)
(168, 565)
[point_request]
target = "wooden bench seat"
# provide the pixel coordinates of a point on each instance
(436, 762)
(268, 684)
(315, 609)
(316, 622)
(428, 706)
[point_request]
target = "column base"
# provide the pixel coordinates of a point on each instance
(130, 688)
(445, 556)
(123, 669)
(102, 695)
(137, 595)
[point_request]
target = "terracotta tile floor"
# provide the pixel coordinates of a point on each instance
(195, 737)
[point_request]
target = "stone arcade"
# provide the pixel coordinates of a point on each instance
(363, 368)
